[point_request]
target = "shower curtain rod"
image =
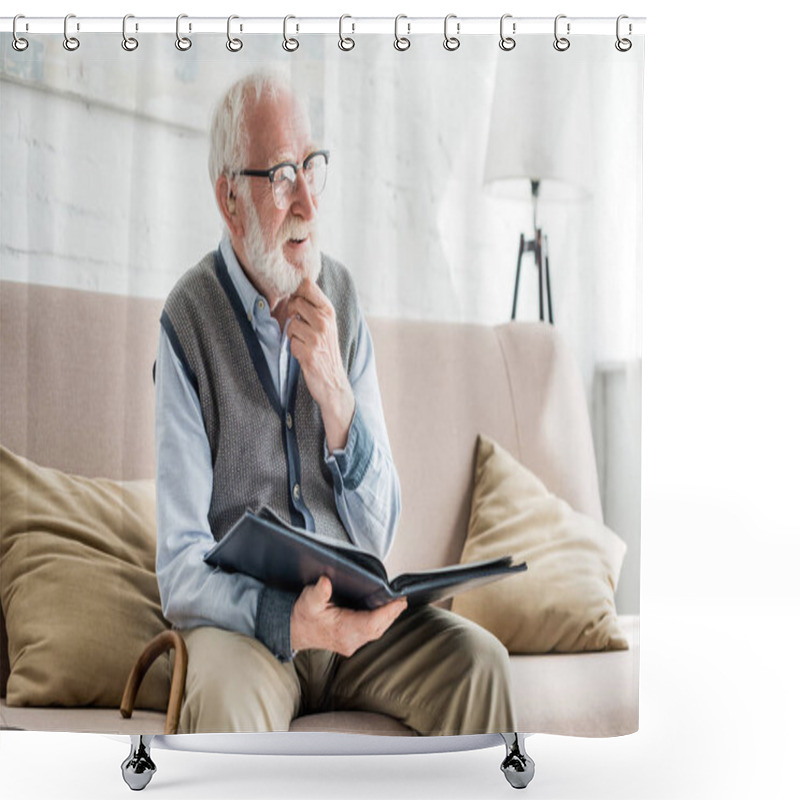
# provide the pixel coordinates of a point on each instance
(348, 25)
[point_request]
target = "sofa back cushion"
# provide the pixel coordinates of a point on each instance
(442, 384)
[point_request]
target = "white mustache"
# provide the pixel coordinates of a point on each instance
(294, 228)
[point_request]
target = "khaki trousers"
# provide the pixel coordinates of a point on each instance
(433, 670)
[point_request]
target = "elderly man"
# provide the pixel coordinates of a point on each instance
(266, 394)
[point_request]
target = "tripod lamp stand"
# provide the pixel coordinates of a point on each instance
(538, 246)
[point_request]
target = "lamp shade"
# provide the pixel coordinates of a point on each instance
(540, 134)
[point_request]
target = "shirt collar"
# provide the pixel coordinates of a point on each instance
(248, 294)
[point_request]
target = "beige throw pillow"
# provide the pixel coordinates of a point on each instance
(564, 602)
(78, 586)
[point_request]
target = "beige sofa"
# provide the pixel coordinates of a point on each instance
(68, 400)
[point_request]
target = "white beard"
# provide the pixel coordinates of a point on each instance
(281, 277)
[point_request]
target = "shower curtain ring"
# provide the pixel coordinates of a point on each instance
(561, 43)
(18, 43)
(183, 43)
(401, 42)
(451, 42)
(71, 43)
(233, 45)
(289, 45)
(346, 42)
(623, 45)
(129, 43)
(507, 42)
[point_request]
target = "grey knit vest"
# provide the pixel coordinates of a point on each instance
(261, 454)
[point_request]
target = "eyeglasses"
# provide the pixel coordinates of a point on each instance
(283, 176)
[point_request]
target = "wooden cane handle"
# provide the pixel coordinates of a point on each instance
(165, 641)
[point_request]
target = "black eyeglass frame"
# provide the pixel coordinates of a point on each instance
(270, 173)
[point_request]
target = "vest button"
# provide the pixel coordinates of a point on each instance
(289, 421)
(296, 491)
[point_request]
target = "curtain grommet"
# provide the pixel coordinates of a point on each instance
(129, 43)
(623, 44)
(183, 43)
(561, 43)
(451, 43)
(401, 43)
(19, 43)
(233, 44)
(346, 43)
(71, 43)
(507, 42)
(289, 44)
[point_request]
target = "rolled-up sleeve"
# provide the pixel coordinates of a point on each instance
(366, 486)
(194, 594)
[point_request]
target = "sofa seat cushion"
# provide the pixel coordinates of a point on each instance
(108, 720)
(80, 720)
(577, 694)
(580, 694)
(360, 722)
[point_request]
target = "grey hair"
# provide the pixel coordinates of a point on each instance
(229, 139)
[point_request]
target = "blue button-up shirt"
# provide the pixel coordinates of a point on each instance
(366, 488)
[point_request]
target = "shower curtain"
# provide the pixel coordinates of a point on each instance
(461, 181)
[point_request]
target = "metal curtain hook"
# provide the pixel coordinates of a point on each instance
(561, 43)
(233, 45)
(18, 43)
(401, 42)
(507, 42)
(289, 45)
(70, 42)
(451, 42)
(623, 45)
(129, 43)
(345, 42)
(182, 42)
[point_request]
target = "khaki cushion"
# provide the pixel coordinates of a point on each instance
(78, 586)
(564, 602)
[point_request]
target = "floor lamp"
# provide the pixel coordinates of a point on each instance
(537, 151)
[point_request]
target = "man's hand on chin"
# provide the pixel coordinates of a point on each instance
(317, 623)
(314, 340)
